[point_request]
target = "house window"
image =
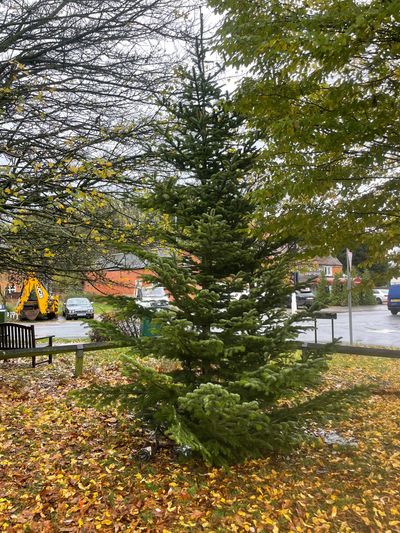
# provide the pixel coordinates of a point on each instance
(327, 270)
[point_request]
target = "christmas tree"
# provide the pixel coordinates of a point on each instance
(227, 335)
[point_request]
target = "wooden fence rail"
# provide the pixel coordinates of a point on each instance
(78, 349)
(353, 350)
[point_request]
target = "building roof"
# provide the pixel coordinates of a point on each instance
(122, 261)
(128, 261)
(328, 261)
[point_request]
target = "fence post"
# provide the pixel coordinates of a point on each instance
(78, 361)
(304, 348)
(32, 340)
(50, 355)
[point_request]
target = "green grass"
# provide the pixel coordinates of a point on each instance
(101, 307)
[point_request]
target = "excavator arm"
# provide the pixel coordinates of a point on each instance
(35, 300)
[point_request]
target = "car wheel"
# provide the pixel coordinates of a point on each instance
(67, 317)
(394, 312)
(379, 301)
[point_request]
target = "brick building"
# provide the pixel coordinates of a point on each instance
(10, 287)
(328, 265)
(119, 276)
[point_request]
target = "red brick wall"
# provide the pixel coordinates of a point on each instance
(337, 269)
(116, 283)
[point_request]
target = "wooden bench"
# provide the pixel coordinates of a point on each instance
(19, 337)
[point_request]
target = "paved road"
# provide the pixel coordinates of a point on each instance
(61, 328)
(372, 325)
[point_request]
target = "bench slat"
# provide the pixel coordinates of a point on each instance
(20, 337)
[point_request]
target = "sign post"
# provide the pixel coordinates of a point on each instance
(349, 257)
(295, 280)
(293, 303)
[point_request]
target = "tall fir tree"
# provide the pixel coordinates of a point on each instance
(227, 333)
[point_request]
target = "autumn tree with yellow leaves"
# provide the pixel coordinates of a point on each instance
(74, 81)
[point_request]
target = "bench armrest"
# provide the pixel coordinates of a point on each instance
(46, 337)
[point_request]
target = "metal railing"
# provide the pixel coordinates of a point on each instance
(321, 316)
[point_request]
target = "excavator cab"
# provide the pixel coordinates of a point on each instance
(36, 302)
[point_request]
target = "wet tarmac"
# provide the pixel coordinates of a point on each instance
(372, 326)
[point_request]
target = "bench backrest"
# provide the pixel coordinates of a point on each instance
(16, 336)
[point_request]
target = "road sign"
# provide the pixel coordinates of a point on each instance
(357, 281)
(349, 256)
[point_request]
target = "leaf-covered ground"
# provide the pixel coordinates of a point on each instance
(67, 468)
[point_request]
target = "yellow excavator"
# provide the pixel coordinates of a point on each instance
(35, 301)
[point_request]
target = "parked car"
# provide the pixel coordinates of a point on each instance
(78, 308)
(304, 298)
(151, 296)
(381, 295)
(393, 301)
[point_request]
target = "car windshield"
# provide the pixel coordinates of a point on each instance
(73, 302)
(153, 292)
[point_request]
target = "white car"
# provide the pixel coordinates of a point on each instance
(381, 295)
(151, 296)
(78, 308)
